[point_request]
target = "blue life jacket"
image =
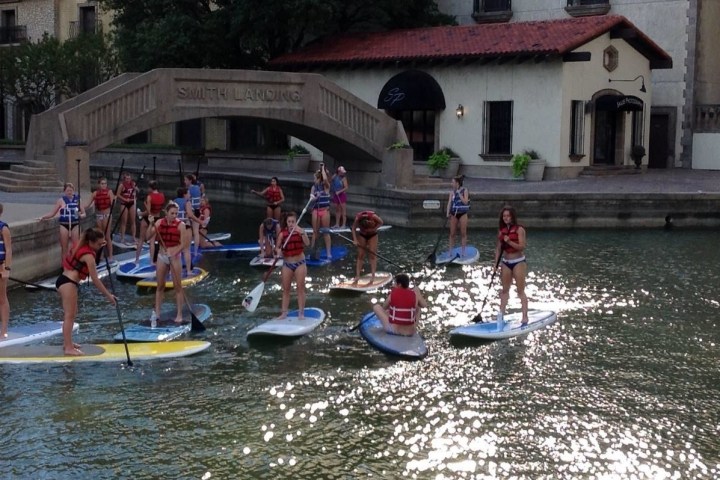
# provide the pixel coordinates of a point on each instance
(457, 205)
(336, 184)
(182, 214)
(195, 194)
(70, 213)
(323, 198)
(2, 242)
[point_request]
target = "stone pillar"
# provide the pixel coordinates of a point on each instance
(72, 168)
(397, 168)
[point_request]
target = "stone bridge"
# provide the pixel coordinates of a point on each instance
(306, 106)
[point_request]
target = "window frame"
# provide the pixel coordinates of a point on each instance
(577, 130)
(490, 124)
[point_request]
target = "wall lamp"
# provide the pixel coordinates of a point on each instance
(642, 86)
(460, 111)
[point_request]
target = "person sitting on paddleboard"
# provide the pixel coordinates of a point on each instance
(77, 266)
(204, 217)
(267, 236)
(5, 268)
(291, 244)
(127, 193)
(186, 215)
(103, 199)
(511, 242)
(154, 203)
(172, 236)
(401, 311)
(338, 190)
(457, 208)
(364, 233)
(71, 211)
(320, 191)
(274, 196)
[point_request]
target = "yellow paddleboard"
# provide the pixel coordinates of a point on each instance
(364, 284)
(104, 352)
(198, 274)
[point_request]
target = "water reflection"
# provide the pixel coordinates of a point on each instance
(624, 385)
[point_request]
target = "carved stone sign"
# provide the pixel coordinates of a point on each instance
(234, 93)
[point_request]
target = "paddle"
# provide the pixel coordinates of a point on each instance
(182, 178)
(112, 207)
(478, 318)
(29, 284)
(433, 255)
(253, 299)
(365, 247)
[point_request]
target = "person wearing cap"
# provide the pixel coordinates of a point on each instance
(338, 189)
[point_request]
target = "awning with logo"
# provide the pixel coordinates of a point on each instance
(411, 90)
(619, 103)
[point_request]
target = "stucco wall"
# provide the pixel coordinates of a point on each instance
(37, 15)
(706, 151)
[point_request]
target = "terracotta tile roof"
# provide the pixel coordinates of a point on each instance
(549, 37)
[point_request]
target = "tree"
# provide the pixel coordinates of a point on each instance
(247, 33)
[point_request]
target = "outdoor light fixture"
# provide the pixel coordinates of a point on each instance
(642, 86)
(460, 111)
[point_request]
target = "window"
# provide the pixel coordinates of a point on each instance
(9, 31)
(88, 20)
(492, 11)
(637, 128)
(498, 128)
(419, 127)
(493, 6)
(577, 128)
(582, 8)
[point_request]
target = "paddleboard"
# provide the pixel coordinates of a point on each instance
(49, 283)
(197, 275)
(236, 247)
(291, 326)
(511, 328)
(129, 257)
(363, 284)
(126, 242)
(383, 228)
(22, 334)
(103, 352)
(216, 237)
(454, 256)
(399, 345)
(261, 261)
(145, 268)
(338, 253)
(166, 328)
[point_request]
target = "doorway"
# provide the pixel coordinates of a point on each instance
(605, 131)
(659, 151)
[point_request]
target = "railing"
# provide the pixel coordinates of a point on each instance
(77, 28)
(707, 119)
(14, 34)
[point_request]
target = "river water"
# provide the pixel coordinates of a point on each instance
(625, 385)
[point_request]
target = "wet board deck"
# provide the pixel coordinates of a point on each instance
(454, 256)
(24, 334)
(291, 326)
(198, 274)
(338, 253)
(104, 352)
(398, 345)
(260, 261)
(363, 284)
(383, 228)
(511, 328)
(126, 242)
(129, 257)
(218, 237)
(49, 283)
(145, 268)
(166, 328)
(235, 247)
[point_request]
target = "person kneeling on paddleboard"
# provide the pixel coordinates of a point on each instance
(401, 310)
(268, 234)
(77, 266)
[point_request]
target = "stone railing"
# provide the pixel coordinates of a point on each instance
(707, 119)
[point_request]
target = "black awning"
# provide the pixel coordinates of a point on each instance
(619, 103)
(411, 90)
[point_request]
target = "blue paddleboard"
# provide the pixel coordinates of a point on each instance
(454, 256)
(236, 247)
(511, 327)
(338, 253)
(399, 345)
(144, 268)
(166, 328)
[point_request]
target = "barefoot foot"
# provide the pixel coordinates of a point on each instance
(73, 352)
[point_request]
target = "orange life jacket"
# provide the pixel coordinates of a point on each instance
(102, 199)
(402, 306)
(294, 245)
(73, 261)
(170, 232)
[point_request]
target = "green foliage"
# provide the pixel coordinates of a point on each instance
(520, 162)
(398, 146)
(532, 154)
(438, 160)
(297, 150)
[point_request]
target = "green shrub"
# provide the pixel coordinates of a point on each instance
(296, 150)
(520, 162)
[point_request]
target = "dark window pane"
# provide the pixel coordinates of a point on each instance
(499, 127)
(495, 5)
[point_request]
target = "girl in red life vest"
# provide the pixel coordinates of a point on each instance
(273, 196)
(172, 236)
(103, 199)
(366, 239)
(290, 245)
(5, 268)
(457, 209)
(154, 203)
(126, 193)
(71, 212)
(320, 191)
(204, 218)
(511, 242)
(77, 266)
(401, 310)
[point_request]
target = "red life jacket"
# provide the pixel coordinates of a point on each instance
(366, 222)
(73, 261)
(102, 199)
(402, 306)
(294, 245)
(170, 233)
(273, 194)
(205, 214)
(128, 191)
(157, 200)
(512, 234)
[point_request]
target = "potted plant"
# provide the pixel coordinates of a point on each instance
(444, 162)
(519, 165)
(298, 158)
(637, 152)
(536, 166)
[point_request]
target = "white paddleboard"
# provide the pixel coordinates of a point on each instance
(126, 242)
(383, 228)
(456, 256)
(166, 328)
(290, 326)
(24, 334)
(510, 328)
(49, 283)
(261, 261)
(364, 284)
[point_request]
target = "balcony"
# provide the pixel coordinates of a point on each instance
(10, 35)
(707, 119)
(78, 28)
(492, 11)
(585, 8)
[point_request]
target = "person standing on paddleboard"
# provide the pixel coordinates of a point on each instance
(186, 215)
(364, 233)
(458, 206)
(291, 244)
(320, 191)
(154, 203)
(5, 268)
(77, 266)
(103, 199)
(274, 196)
(338, 194)
(401, 311)
(127, 193)
(511, 242)
(173, 235)
(71, 211)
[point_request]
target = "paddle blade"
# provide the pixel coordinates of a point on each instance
(253, 299)
(196, 325)
(477, 318)
(431, 258)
